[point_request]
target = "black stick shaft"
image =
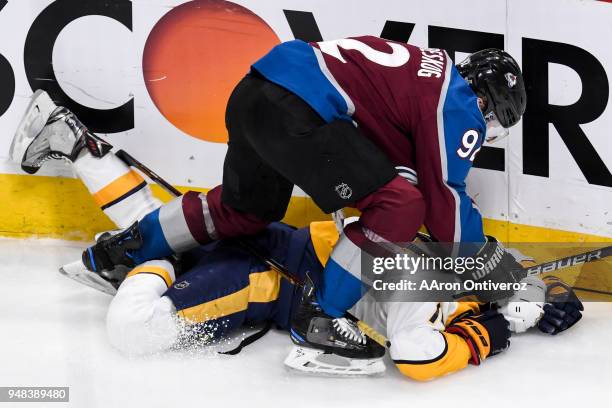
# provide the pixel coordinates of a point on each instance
(569, 261)
(131, 161)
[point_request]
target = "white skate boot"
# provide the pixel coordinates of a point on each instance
(35, 118)
(61, 135)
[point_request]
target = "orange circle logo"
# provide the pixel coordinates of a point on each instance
(194, 57)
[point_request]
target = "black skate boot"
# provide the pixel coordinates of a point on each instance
(105, 266)
(112, 250)
(328, 346)
(100, 266)
(312, 327)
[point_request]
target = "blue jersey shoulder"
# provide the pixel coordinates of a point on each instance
(299, 67)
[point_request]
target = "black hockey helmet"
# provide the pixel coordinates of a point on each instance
(494, 74)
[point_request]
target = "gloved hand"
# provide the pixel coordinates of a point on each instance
(562, 309)
(500, 266)
(526, 307)
(486, 334)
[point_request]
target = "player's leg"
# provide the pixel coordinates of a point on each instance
(120, 191)
(48, 132)
(253, 194)
(337, 166)
(393, 214)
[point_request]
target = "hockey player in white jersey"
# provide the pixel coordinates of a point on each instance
(220, 287)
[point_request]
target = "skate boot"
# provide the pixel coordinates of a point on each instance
(324, 345)
(105, 265)
(104, 280)
(62, 135)
(34, 119)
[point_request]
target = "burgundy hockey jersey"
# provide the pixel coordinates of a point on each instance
(410, 101)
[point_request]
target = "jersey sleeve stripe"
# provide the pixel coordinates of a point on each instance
(442, 145)
(429, 361)
(174, 226)
(118, 188)
(411, 178)
(153, 270)
(350, 106)
(406, 169)
(208, 221)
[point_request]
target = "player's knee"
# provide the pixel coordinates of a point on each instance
(412, 202)
(140, 320)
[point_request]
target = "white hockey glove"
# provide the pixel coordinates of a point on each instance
(526, 307)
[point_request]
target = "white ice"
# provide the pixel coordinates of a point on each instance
(52, 333)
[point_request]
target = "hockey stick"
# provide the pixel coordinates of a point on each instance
(570, 261)
(132, 162)
(252, 249)
(565, 262)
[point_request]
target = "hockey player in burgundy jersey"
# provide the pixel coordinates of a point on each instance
(219, 287)
(388, 128)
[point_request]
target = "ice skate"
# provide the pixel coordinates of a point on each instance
(104, 281)
(37, 114)
(319, 363)
(324, 345)
(50, 132)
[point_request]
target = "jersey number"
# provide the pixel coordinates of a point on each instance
(468, 145)
(397, 58)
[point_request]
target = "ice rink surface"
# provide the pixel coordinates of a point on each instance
(52, 333)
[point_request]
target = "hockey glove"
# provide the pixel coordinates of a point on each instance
(500, 266)
(486, 334)
(525, 309)
(113, 250)
(562, 309)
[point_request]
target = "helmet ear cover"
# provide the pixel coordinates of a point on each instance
(486, 106)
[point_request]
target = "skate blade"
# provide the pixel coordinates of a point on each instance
(78, 272)
(34, 119)
(316, 362)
